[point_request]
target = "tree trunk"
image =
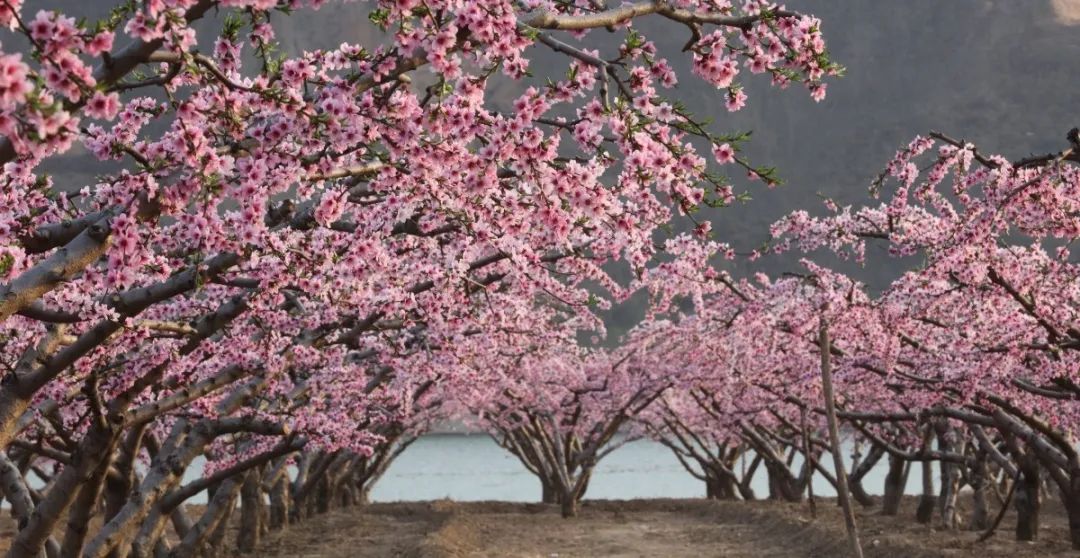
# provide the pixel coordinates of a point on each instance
(297, 493)
(1026, 500)
(583, 485)
(980, 513)
(745, 492)
(347, 495)
(181, 523)
(924, 513)
(568, 506)
(1071, 499)
(860, 495)
(808, 454)
(214, 546)
(950, 476)
(247, 537)
(950, 490)
(82, 509)
(725, 487)
(548, 493)
(140, 521)
(950, 516)
(570, 496)
(13, 485)
(97, 445)
(307, 489)
(279, 503)
(895, 482)
(216, 514)
(781, 483)
(719, 486)
(324, 495)
(118, 487)
(860, 471)
(264, 513)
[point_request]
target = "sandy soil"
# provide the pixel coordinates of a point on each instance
(669, 528)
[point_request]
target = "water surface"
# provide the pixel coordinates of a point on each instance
(470, 467)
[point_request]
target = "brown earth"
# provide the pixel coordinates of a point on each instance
(635, 528)
(623, 529)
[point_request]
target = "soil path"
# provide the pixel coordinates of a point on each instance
(641, 528)
(677, 530)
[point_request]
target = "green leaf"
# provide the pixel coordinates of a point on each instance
(380, 17)
(232, 26)
(6, 263)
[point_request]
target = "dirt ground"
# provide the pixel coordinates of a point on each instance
(639, 528)
(636, 528)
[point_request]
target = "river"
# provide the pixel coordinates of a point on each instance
(469, 467)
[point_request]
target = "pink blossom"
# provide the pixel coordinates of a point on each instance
(8, 12)
(724, 153)
(14, 82)
(100, 43)
(103, 106)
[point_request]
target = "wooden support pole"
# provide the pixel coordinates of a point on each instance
(834, 438)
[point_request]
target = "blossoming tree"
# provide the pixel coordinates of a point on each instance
(303, 253)
(984, 334)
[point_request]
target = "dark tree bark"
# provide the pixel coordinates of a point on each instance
(719, 486)
(895, 483)
(214, 545)
(250, 512)
(94, 448)
(82, 510)
(324, 494)
(782, 484)
(1071, 499)
(980, 487)
(279, 503)
(568, 507)
(1026, 500)
(548, 493)
(745, 490)
(928, 501)
(859, 472)
(950, 476)
(216, 514)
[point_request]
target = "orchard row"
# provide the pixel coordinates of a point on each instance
(291, 266)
